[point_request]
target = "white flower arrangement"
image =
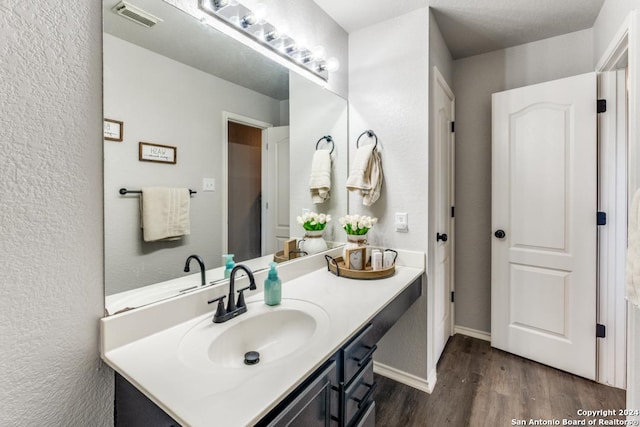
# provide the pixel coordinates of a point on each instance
(313, 221)
(357, 224)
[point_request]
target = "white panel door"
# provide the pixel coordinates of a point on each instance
(544, 203)
(443, 110)
(277, 206)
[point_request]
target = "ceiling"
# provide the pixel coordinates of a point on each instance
(472, 27)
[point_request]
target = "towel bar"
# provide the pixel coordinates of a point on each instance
(124, 191)
(329, 139)
(370, 134)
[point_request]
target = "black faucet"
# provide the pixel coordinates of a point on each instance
(233, 309)
(200, 263)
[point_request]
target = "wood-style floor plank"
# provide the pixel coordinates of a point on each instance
(481, 386)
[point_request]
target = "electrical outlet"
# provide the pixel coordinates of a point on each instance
(305, 211)
(208, 184)
(402, 222)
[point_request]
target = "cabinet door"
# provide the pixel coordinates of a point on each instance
(312, 407)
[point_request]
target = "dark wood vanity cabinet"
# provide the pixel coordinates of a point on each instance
(338, 394)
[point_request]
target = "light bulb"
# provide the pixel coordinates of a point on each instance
(260, 12)
(248, 20)
(333, 64)
(318, 52)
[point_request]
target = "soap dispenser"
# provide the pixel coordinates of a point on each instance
(272, 287)
(229, 264)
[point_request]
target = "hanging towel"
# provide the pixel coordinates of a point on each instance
(164, 213)
(320, 182)
(366, 174)
(633, 252)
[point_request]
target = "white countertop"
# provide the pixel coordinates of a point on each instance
(198, 398)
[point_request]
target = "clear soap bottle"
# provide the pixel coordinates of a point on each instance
(272, 287)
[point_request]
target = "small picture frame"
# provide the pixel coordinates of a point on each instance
(113, 130)
(355, 258)
(157, 153)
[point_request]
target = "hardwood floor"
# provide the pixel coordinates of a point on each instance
(481, 386)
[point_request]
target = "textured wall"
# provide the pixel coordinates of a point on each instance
(474, 80)
(316, 112)
(165, 102)
(51, 292)
(388, 92)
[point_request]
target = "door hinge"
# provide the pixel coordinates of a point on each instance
(602, 218)
(453, 126)
(601, 105)
(601, 331)
(453, 211)
(453, 296)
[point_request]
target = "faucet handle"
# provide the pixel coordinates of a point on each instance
(220, 311)
(241, 302)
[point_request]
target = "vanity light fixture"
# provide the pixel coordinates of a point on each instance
(253, 23)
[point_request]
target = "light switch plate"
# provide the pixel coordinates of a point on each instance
(402, 222)
(208, 184)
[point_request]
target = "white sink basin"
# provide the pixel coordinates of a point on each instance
(274, 332)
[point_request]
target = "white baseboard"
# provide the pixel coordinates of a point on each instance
(406, 378)
(473, 333)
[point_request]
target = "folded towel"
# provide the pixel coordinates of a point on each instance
(320, 181)
(633, 252)
(164, 213)
(366, 174)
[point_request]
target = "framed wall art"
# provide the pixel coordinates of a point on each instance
(157, 153)
(113, 130)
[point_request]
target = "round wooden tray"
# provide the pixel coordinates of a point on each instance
(337, 267)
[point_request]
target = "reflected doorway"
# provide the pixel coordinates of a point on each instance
(244, 148)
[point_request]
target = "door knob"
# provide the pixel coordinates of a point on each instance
(441, 237)
(500, 234)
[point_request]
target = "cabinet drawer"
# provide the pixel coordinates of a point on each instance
(358, 353)
(312, 406)
(359, 394)
(369, 417)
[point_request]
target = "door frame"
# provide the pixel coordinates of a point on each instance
(438, 79)
(248, 121)
(612, 238)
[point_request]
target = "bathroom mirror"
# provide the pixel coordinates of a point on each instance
(185, 85)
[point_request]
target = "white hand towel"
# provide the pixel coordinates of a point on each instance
(320, 181)
(366, 174)
(164, 213)
(359, 178)
(633, 252)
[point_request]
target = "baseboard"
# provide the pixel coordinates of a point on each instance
(406, 378)
(473, 333)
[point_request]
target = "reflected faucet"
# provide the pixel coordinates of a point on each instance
(233, 309)
(200, 263)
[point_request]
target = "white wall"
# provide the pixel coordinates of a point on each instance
(608, 22)
(474, 80)
(165, 102)
(316, 112)
(388, 93)
(51, 293)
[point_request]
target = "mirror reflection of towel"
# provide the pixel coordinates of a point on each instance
(320, 181)
(164, 213)
(366, 174)
(633, 252)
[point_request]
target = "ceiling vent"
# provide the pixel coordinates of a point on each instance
(135, 14)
